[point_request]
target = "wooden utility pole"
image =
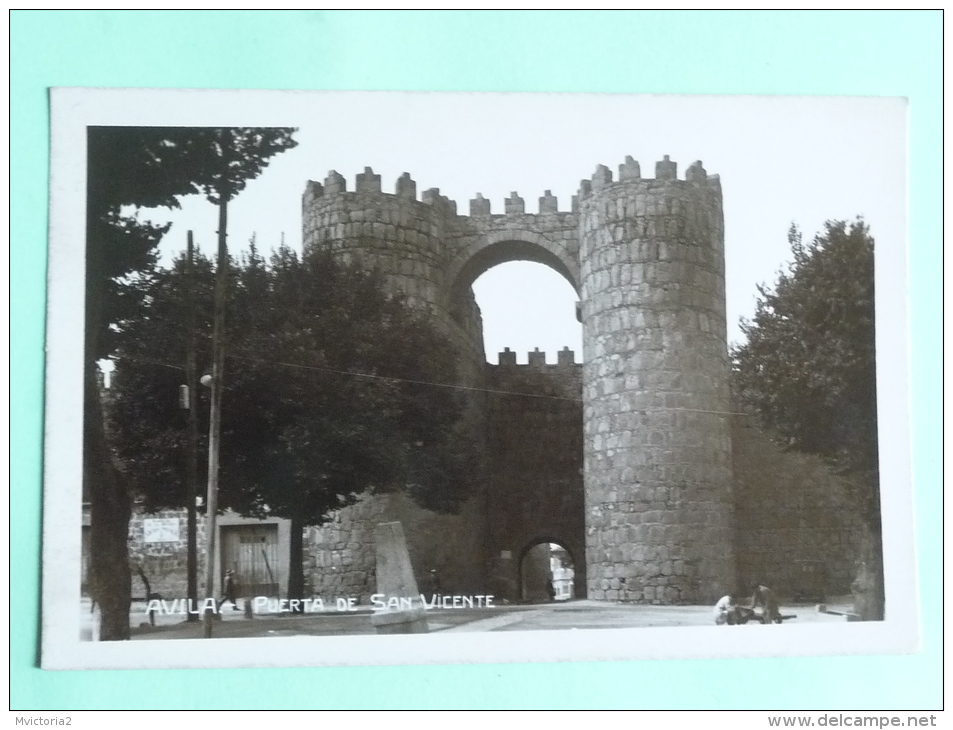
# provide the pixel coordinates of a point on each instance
(191, 449)
(215, 417)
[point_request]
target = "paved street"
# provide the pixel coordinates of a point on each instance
(578, 614)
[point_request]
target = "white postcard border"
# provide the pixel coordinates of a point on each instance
(72, 110)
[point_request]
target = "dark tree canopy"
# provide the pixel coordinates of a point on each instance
(139, 167)
(809, 364)
(331, 392)
(150, 167)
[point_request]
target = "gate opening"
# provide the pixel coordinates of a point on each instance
(547, 574)
(525, 305)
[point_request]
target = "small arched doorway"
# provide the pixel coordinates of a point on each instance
(547, 573)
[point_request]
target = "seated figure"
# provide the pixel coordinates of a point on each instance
(726, 611)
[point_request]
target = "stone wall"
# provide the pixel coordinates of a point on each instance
(164, 563)
(340, 555)
(535, 574)
(534, 486)
(796, 530)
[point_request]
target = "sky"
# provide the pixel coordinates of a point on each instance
(781, 160)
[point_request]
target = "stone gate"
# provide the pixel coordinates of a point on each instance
(625, 460)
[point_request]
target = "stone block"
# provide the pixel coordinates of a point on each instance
(666, 169)
(479, 205)
(585, 189)
(334, 183)
(395, 579)
(601, 177)
(368, 182)
(629, 170)
(696, 173)
(313, 190)
(514, 205)
(548, 203)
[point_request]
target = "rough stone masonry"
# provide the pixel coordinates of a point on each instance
(657, 442)
(647, 259)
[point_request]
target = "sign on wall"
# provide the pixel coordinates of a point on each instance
(165, 529)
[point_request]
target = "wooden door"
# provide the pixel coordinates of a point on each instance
(252, 552)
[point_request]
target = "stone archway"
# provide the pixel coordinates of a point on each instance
(546, 571)
(498, 247)
(534, 424)
(477, 254)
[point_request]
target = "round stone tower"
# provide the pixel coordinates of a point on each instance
(657, 441)
(406, 239)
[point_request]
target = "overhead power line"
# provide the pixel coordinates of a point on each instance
(455, 386)
(405, 380)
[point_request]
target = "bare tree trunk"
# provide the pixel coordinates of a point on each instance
(104, 485)
(868, 586)
(110, 511)
(296, 560)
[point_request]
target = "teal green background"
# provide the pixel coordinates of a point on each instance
(884, 53)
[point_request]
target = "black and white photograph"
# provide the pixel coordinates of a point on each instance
(345, 378)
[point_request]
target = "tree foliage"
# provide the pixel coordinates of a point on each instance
(140, 167)
(809, 363)
(808, 369)
(334, 389)
(150, 167)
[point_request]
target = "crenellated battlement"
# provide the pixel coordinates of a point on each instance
(446, 249)
(666, 171)
(537, 358)
(334, 183)
(368, 184)
(434, 198)
(406, 187)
